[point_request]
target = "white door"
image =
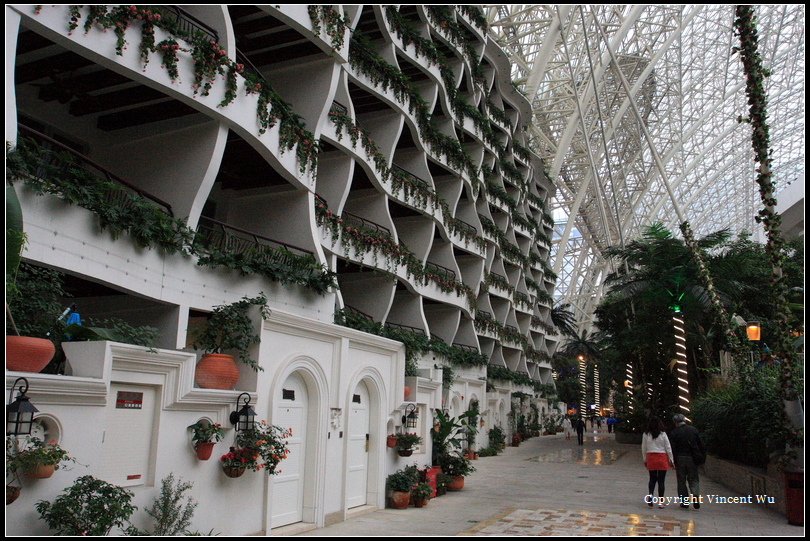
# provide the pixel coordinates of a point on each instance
(288, 486)
(357, 477)
(126, 448)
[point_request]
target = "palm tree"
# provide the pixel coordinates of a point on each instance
(564, 319)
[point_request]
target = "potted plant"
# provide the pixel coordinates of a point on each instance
(228, 328)
(36, 459)
(421, 494)
(441, 484)
(267, 445)
(405, 443)
(400, 483)
(456, 467)
(237, 460)
(205, 435)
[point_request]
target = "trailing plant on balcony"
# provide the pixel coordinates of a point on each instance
(521, 152)
(511, 172)
(485, 323)
(457, 356)
(442, 17)
(410, 36)
(344, 123)
(536, 200)
(335, 24)
(493, 279)
(534, 355)
(534, 286)
(502, 373)
(544, 298)
(498, 114)
(210, 61)
(522, 299)
(476, 15)
(448, 377)
(362, 241)
(499, 193)
(121, 210)
(548, 219)
(525, 223)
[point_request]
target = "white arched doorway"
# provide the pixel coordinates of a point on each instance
(292, 409)
(358, 447)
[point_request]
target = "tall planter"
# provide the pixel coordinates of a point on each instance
(400, 500)
(456, 483)
(217, 371)
(28, 354)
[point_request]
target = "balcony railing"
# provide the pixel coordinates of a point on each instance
(465, 226)
(339, 108)
(410, 177)
(443, 272)
(465, 347)
(372, 227)
(51, 164)
(407, 328)
(185, 22)
(213, 234)
(357, 312)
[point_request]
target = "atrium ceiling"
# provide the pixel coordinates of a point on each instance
(600, 76)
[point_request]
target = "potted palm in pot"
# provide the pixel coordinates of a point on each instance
(405, 443)
(229, 328)
(205, 435)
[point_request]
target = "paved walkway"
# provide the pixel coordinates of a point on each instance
(550, 486)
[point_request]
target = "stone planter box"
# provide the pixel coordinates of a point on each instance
(628, 437)
(748, 480)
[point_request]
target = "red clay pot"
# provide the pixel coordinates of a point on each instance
(28, 354)
(457, 483)
(400, 500)
(420, 502)
(217, 371)
(391, 440)
(204, 449)
(42, 471)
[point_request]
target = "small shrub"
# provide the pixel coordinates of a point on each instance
(89, 507)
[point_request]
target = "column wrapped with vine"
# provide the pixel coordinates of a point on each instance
(745, 26)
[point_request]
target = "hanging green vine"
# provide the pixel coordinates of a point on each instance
(745, 26)
(120, 210)
(335, 24)
(210, 62)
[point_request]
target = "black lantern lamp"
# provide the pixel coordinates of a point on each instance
(243, 418)
(410, 417)
(20, 413)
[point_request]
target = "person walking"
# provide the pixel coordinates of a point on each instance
(567, 427)
(599, 424)
(580, 425)
(689, 454)
(657, 454)
(610, 422)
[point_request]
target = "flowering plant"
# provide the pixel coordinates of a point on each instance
(34, 453)
(264, 447)
(205, 432)
(239, 458)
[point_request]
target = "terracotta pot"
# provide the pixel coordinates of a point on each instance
(391, 440)
(233, 471)
(28, 354)
(400, 500)
(217, 371)
(441, 490)
(204, 449)
(420, 502)
(405, 452)
(455, 484)
(41, 471)
(406, 393)
(12, 493)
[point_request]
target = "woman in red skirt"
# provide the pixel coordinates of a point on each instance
(658, 459)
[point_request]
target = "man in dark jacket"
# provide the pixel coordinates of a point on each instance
(689, 453)
(580, 426)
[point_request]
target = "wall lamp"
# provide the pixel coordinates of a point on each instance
(244, 418)
(20, 413)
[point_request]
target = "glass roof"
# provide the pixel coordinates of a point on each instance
(687, 87)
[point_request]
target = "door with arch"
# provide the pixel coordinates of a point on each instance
(291, 411)
(357, 448)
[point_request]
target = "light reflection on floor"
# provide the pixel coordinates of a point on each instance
(580, 455)
(527, 522)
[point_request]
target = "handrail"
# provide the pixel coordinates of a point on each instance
(106, 173)
(483, 314)
(405, 328)
(232, 242)
(358, 312)
(465, 347)
(410, 176)
(470, 228)
(448, 274)
(338, 107)
(185, 21)
(359, 221)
